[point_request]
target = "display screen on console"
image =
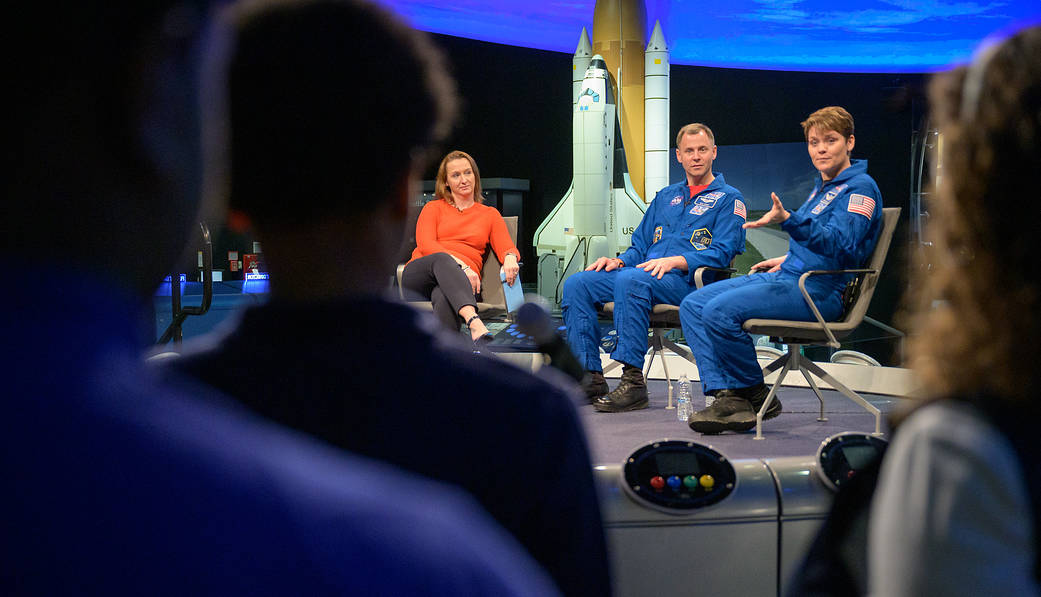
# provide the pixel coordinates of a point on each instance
(843, 456)
(676, 463)
(859, 457)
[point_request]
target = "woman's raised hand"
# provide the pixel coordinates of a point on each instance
(776, 214)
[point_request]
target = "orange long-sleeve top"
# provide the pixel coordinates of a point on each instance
(466, 234)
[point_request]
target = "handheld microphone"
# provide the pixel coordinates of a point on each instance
(533, 319)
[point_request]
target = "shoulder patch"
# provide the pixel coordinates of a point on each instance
(861, 204)
(676, 200)
(739, 209)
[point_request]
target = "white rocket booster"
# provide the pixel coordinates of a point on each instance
(593, 150)
(656, 114)
(579, 64)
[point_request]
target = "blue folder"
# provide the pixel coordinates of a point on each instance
(514, 294)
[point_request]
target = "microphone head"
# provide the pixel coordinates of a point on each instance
(534, 320)
(538, 300)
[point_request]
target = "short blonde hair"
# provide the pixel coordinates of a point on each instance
(693, 129)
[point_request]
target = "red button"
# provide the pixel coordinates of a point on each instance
(658, 483)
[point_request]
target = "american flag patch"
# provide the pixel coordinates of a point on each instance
(739, 209)
(861, 204)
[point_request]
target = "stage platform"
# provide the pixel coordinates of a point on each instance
(796, 432)
(613, 436)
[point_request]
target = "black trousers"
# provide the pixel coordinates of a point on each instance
(438, 279)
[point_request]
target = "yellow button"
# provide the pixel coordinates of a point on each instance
(707, 481)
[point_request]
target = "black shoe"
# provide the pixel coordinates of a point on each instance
(594, 385)
(482, 342)
(757, 396)
(631, 393)
(729, 412)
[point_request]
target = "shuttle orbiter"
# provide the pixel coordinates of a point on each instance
(613, 134)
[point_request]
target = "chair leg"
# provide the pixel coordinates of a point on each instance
(821, 373)
(797, 363)
(653, 347)
(817, 391)
(656, 348)
(665, 367)
(786, 367)
(779, 362)
(679, 349)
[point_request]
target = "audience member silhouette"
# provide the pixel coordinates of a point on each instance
(329, 111)
(115, 483)
(957, 510)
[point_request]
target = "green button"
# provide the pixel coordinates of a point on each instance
(690, 482)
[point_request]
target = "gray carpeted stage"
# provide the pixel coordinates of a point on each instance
(796, 432)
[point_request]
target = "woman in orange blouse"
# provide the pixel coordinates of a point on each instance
(452, 234)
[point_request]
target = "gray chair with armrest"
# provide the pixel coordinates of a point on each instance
(664, 318)
(493, 301)
(797, 334)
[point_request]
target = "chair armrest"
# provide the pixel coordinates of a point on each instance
(699, 273)
(401, 291)
(832, 342)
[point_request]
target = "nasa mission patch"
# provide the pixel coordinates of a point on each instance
(701, 239)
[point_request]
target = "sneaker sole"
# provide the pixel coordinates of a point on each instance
(612, 408)
(712, 427)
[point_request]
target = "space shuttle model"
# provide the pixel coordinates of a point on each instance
(620, 143)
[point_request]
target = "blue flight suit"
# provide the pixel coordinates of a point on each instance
(836, 228)
(705, 229)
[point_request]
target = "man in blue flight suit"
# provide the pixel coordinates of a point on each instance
(836, 228)
(693, 223)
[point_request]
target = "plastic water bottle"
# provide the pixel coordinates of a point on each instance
(683, 399)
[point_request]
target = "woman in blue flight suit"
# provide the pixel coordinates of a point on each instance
(836, 228)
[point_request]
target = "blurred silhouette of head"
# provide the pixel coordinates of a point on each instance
(333, 104)
(982, 333)
(103, 141)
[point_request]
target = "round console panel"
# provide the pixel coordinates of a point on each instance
(841, 456)
(677, 476)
